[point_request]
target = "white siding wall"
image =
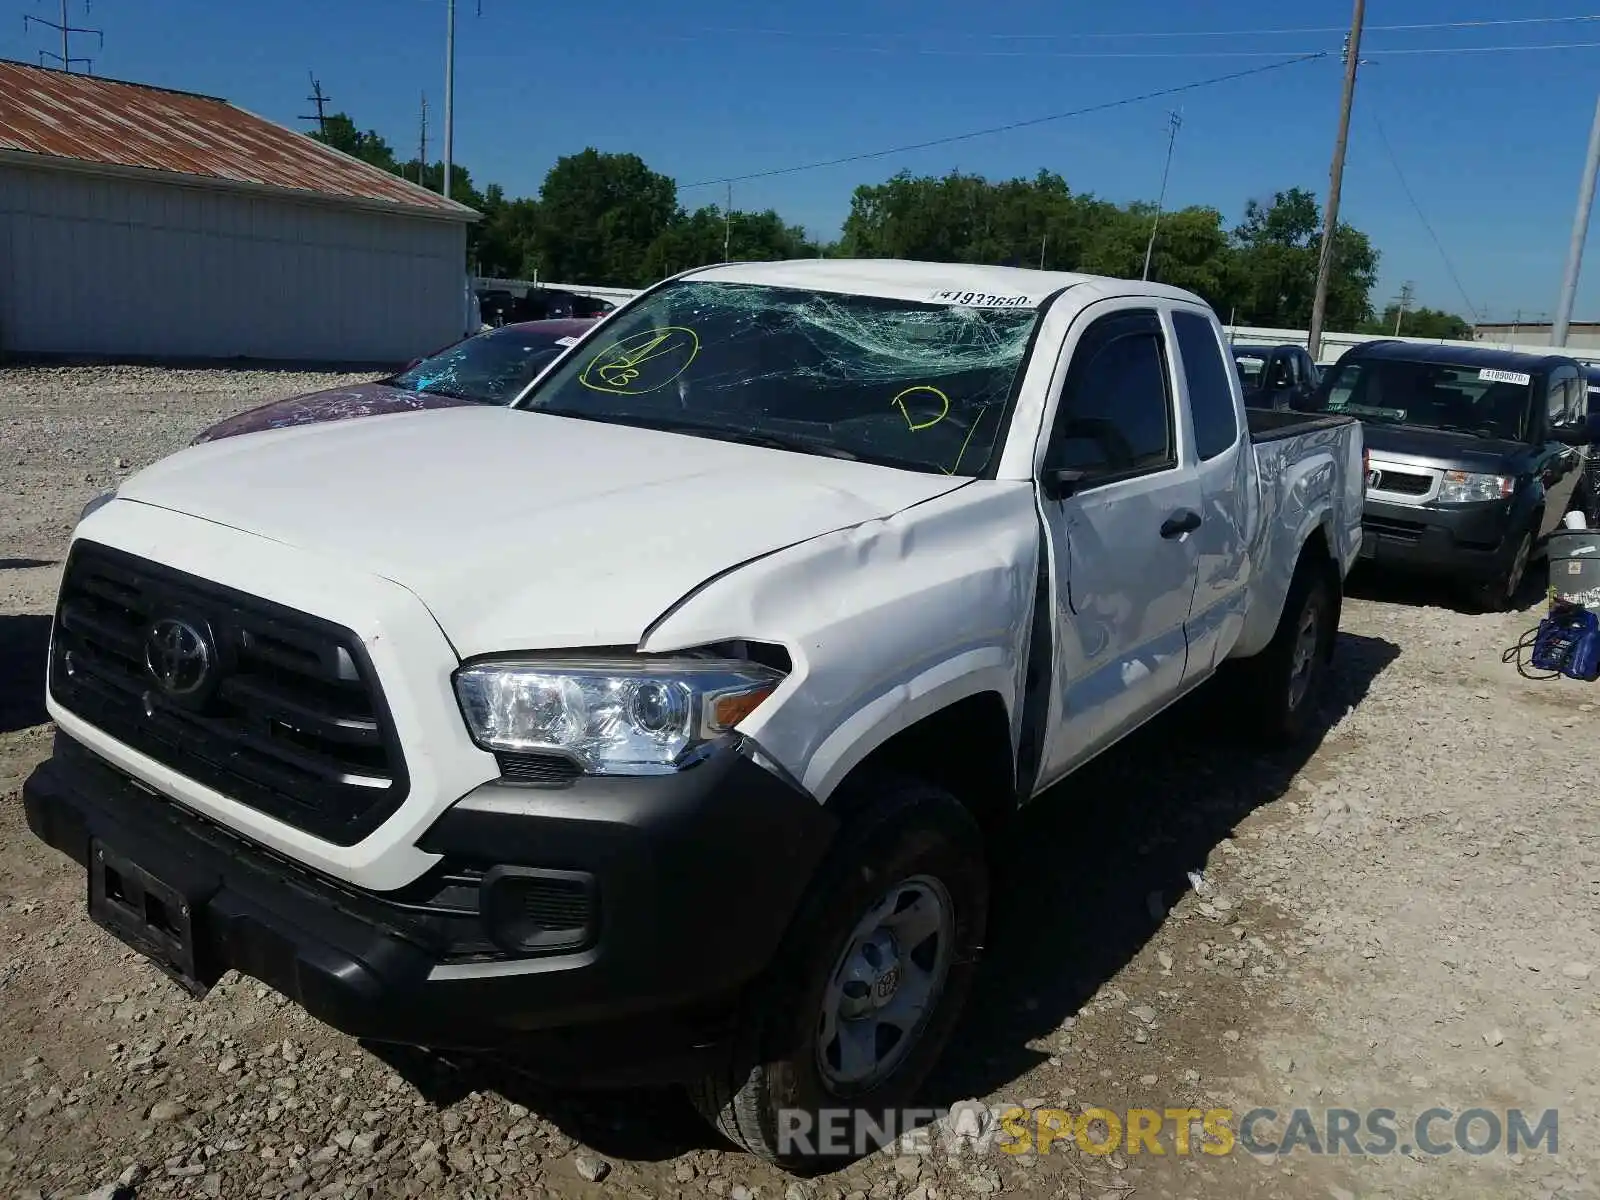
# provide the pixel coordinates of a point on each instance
(95, 265)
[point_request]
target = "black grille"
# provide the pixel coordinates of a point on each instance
(1402, 483)
(290, 719)
(1402, 531)
(537, 768)
(557, 905)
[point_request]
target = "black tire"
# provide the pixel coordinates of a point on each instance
(904, 831)
(1281, 702)
(1499, 594)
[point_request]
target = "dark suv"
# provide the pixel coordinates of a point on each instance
(1472, 461)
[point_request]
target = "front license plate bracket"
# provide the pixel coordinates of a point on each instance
(147, 913)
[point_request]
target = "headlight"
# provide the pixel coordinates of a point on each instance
(99, 501)
(612, 717)
(1461, 487)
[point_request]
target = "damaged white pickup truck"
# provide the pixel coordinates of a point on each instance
(648, 727)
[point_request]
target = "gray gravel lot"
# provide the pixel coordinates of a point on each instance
(1403, 918)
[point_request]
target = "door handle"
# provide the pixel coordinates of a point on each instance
(1185, 520)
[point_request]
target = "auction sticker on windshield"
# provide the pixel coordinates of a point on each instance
(1492, 375)
(982, 300)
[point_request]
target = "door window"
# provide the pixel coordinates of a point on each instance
(1115, 417)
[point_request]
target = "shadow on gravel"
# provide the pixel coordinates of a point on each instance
(1073, 876)
(1368, 582)
(639, 1125)
(25, 564)
(24, 644)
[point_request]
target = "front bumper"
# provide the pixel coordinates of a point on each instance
(692, 879)
(1470, 541)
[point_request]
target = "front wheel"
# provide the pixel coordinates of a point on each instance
(867, 987)
(1499, 594)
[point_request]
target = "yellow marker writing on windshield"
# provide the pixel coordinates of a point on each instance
(643, 362)
(918, 393)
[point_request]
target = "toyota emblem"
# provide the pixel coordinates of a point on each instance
(888, 983)
(178, 656)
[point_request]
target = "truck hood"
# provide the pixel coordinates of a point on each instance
(521, 530)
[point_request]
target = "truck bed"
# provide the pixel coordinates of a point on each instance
(1268, 425)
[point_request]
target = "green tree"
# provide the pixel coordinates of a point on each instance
(340, 132)
(697, 238)
(599, 214)
(1420, 322)
(1278, 247)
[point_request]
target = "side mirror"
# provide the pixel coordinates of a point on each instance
(1059, 483)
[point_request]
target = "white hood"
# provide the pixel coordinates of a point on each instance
(523, 531)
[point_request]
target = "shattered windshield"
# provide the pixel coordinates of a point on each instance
(1483, 401)
(915, 384)
(490, 368)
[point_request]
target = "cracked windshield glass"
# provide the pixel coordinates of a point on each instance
(914, 384)
(490, 368)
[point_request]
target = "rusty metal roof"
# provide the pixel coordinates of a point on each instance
(94, 120)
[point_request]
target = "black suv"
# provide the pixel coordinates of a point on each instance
(1475, 455)
(1277, 377)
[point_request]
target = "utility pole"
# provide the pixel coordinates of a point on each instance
(66, 29)
(1043, 242)
(320, 99)
(727, 223)
(1330, 223)
(422, 146)
(1174, 123)
(1407, 290)
(449, 90)
(1580, 234)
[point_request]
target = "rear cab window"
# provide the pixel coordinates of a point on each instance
(1211, 407)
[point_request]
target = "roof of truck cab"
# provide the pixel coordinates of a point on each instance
(1479, 357)
(903, 279)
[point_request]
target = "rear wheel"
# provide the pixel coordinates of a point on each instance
(1282, 686)
(868, 984)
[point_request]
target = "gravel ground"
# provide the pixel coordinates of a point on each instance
(1401, 919)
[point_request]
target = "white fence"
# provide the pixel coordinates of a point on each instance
(1335, 344)
(615, 295)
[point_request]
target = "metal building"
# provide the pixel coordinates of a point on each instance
(137, 221)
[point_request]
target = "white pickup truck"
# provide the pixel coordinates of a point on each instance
(649, 726)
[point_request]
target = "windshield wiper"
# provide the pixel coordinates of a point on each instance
(1474, 431)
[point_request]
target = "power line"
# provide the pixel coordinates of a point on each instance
(1007, 128)
(852, 35)
(1483, 49)
(1394, 160)
(940, 52)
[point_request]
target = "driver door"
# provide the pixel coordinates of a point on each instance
(1124, 560)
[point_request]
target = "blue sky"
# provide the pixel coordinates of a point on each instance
(1491, 144)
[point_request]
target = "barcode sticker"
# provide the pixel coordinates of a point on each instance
(1494, 375)
(982, 299)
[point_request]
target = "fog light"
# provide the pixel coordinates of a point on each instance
(527, 910)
